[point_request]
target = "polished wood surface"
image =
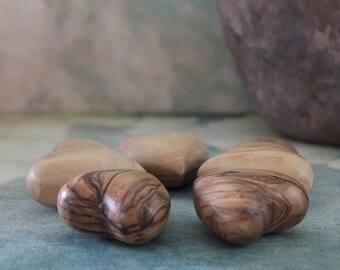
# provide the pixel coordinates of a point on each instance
(69, 159)
(127, 205)
(242, 197)
(270, 154)
(173, 157)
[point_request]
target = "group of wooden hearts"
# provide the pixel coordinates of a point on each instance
(252, 189)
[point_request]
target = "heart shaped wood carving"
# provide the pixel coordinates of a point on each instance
(69, 159)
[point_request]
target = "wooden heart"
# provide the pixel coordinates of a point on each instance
(69, 159)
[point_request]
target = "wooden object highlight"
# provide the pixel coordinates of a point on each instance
(173, 157)
(69, 159)
(255, 188)
(126, 205)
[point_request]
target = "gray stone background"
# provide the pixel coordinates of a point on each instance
(116, 56)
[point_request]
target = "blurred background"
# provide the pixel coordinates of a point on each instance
(122, 56)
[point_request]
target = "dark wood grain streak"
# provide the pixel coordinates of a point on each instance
(242, 206)
(130, 206)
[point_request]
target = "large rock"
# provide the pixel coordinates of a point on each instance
(288, 54)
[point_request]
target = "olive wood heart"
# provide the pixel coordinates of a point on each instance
(173, 157)
(68, 159)
(126, 205)
(255, 188)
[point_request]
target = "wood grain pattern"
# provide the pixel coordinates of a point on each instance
(240, 202)
(271, 154)
(126, 205)
(242, 206)
(67, 160)
(173, 157)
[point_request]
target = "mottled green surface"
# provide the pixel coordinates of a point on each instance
(34, 237)
(131, 56)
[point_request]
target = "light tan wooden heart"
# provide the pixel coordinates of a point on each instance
(69, 159)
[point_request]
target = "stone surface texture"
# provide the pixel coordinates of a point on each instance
(288, 54)
(116, 56)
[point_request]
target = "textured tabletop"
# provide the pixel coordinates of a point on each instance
(34, 237)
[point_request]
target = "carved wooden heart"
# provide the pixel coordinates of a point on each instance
(68, 160)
